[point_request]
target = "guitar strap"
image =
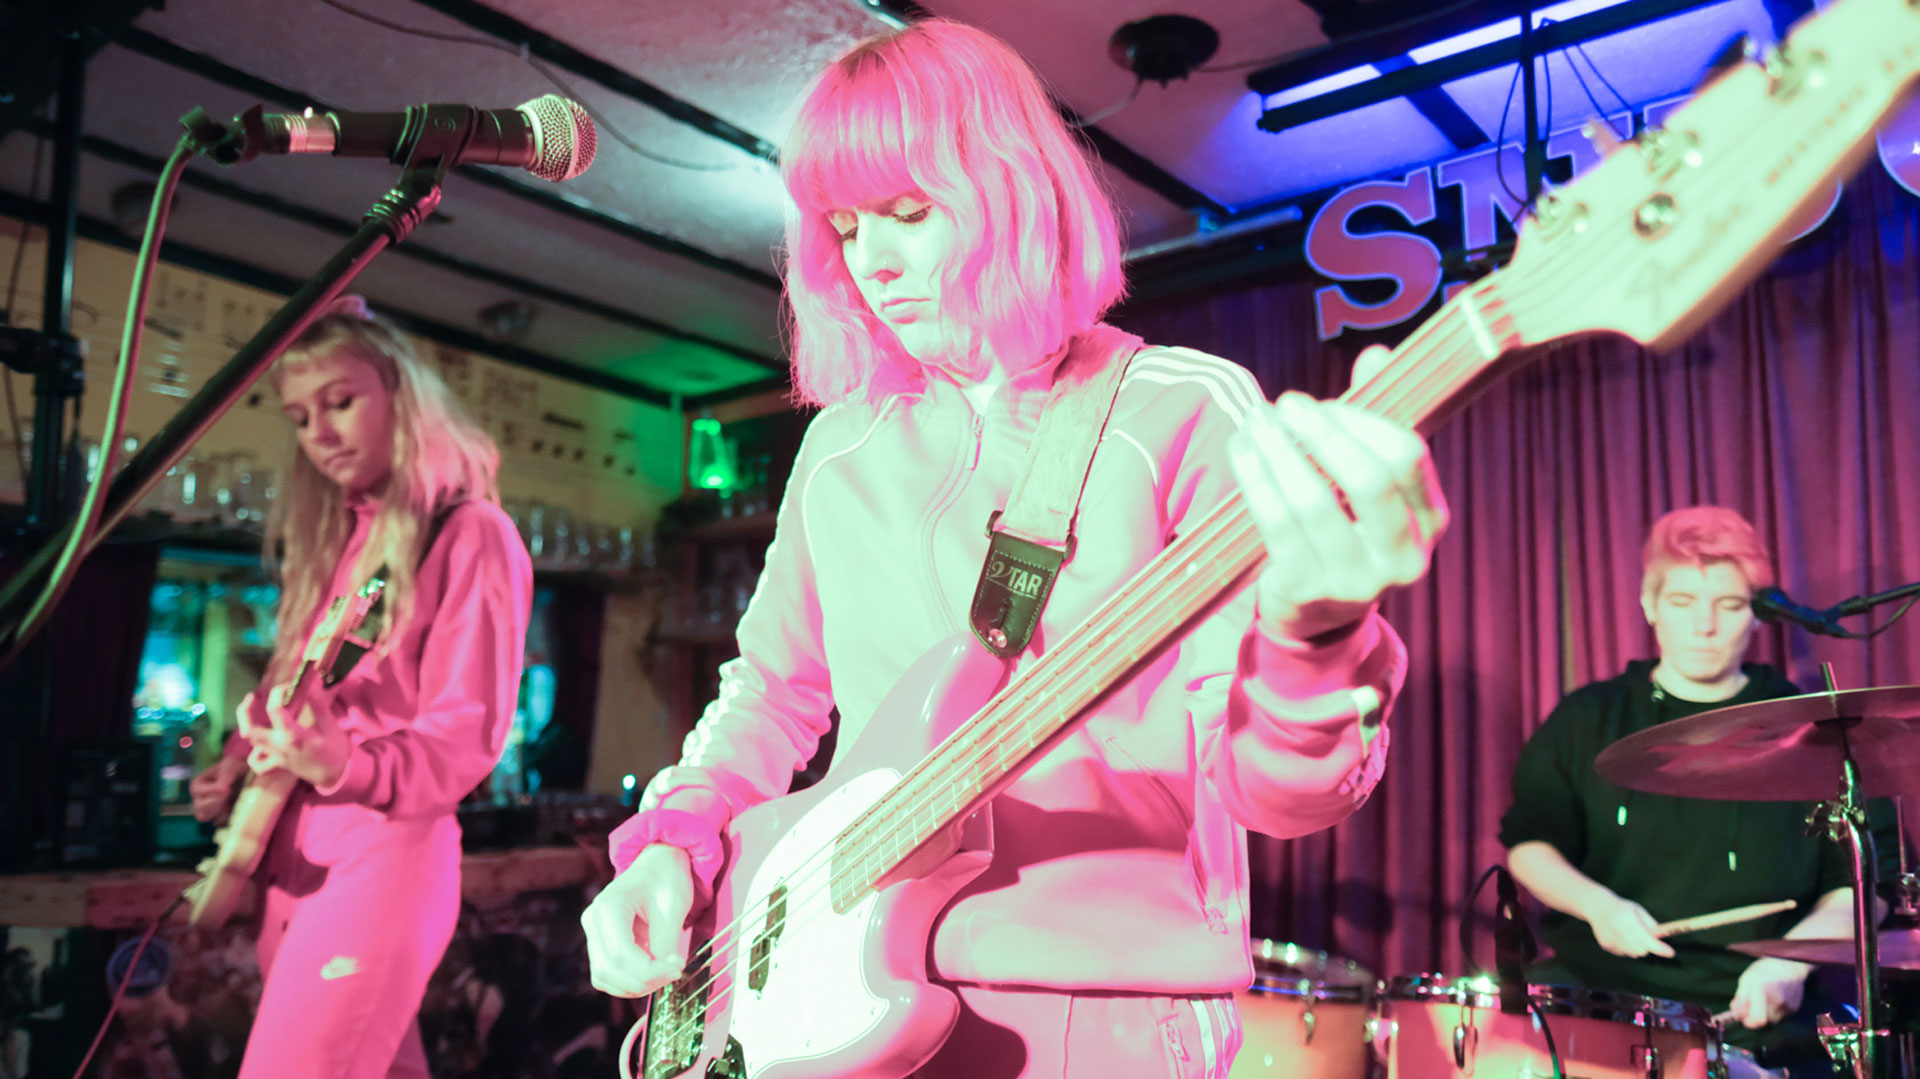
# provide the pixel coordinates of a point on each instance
(1032, 537)
(362, 642)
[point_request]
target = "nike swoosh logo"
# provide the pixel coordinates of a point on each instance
(339, 966)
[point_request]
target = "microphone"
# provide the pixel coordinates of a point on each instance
(1773, 605)
(550, 136)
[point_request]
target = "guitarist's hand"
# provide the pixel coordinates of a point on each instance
(636, 926)
(1298, 461)
(212, 789)
(312, 746)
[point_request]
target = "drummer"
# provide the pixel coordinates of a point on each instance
(1611, 863)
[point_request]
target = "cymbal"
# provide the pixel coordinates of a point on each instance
(1784, 750)
(1899, 949)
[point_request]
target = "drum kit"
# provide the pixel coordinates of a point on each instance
(1309, 1015)
(1315, 1016)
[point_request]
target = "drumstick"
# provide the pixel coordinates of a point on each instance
(1718, 918)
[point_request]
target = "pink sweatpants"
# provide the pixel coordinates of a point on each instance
(1051, 1034)
(359, 911)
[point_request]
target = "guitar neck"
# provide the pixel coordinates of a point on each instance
(1168, 596)
(344, 615)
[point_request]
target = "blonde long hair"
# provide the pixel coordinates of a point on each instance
(441, 457)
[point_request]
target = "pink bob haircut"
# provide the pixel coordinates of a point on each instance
(1698, 535)
(955, 114)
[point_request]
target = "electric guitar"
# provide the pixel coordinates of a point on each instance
(812, 959)
(243, 841)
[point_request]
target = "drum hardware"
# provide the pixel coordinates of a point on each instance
(1308, 1015)
(1466, 1043)
(1307, 1022)
(1906, 891)
(1906, 914)
(1848, 1043)
(1906, 887)
(1454, 1028)
(1845, 821)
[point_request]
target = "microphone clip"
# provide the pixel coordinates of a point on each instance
(226, 145)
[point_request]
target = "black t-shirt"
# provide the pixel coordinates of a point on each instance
(1677, 857)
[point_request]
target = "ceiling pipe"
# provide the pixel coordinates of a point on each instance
(1205, 235)
(551, 49)
(1438, 72)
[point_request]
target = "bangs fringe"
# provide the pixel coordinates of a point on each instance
(848, 142)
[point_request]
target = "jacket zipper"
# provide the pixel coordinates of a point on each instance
(968, 458)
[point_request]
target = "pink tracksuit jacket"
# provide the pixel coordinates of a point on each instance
(1120, 858)
(363, 880)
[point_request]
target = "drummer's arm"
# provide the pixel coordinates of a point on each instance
(1771, 988)
(1622, 926)
(1543, 870)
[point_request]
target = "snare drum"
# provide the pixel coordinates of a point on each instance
(1442, 1028)
(1308, 1015)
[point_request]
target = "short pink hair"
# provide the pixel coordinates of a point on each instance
(1697, 535)
(956, 114)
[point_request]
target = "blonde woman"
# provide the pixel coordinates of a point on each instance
(362, 876)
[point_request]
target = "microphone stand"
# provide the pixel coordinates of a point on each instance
(388, 222)
(1862, 604)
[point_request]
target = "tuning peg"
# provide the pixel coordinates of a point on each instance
(1739, 49)
(1600, 133)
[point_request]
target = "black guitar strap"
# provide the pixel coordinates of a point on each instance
(361, 642)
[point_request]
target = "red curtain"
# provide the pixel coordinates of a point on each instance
(1797, 405)
(86, 662)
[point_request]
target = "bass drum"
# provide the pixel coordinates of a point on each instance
(1308, 1015)
(1452, 1028)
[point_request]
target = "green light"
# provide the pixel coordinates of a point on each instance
(709, 457)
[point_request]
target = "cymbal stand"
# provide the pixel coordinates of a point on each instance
(1906, 912)
(1844, 818)
(1906, 892)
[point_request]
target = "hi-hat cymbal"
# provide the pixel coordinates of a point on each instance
(1783, 750)
(1899, 949)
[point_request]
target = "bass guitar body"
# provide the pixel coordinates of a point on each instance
(814, 981)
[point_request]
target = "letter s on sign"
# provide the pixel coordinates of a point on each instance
(1410, 261)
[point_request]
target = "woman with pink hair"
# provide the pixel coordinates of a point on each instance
(950, 251)
(361, 878)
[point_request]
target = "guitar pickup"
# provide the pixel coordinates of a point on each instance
(351, 649)
(761, 956)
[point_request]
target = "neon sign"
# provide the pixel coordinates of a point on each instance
(1408, 268)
